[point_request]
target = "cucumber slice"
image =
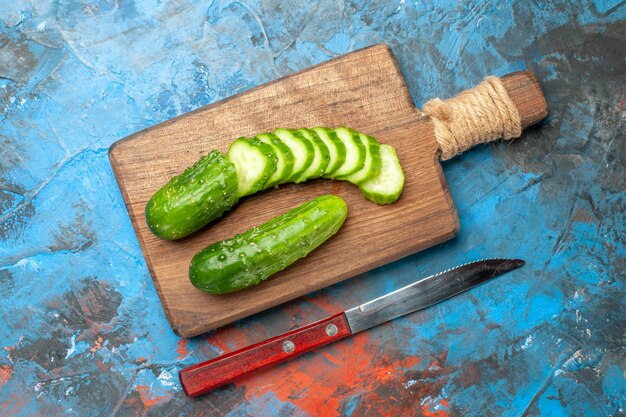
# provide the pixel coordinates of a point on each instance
(302, 149)
(320, 159)
(336, 148)
(386, 187)
(355, 152)
(255, 162)
(284, 162)
(372, 162)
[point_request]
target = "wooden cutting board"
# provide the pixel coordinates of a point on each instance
(363, 90)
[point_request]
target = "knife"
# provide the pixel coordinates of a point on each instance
(201, 378)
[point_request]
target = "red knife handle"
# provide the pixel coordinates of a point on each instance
(201, 378)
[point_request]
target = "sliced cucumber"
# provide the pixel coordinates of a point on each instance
(302, 149)
(193, 199)
(386, 187)
(320, 159)
(355, 152)
(284, 161)
(372, 162)
(254, 161)
(336, 148)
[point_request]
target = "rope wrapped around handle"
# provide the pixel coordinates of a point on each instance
(497, 108)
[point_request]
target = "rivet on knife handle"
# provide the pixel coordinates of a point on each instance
(199, 379)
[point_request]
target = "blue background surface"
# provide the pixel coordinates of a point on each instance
(83, 332)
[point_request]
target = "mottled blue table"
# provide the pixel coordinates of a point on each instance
(83, 332)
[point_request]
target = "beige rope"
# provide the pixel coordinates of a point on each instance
(479, 115)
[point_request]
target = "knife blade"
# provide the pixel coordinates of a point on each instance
(203, 377)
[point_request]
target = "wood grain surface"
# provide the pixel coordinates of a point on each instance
(363, 90)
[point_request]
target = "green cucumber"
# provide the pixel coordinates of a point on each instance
(253, 256)
(320, 159)
(302, 149)
(372, 165)
(193, 199)
(386, 187)
(203, 192)
(355, 152)
(255, 162)
(284, 162)
(336, 148)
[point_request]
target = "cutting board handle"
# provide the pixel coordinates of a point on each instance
(497, 108)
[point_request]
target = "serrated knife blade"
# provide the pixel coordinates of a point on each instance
(426, 292)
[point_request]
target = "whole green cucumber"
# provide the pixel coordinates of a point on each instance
(251, 257)
(193, 199)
